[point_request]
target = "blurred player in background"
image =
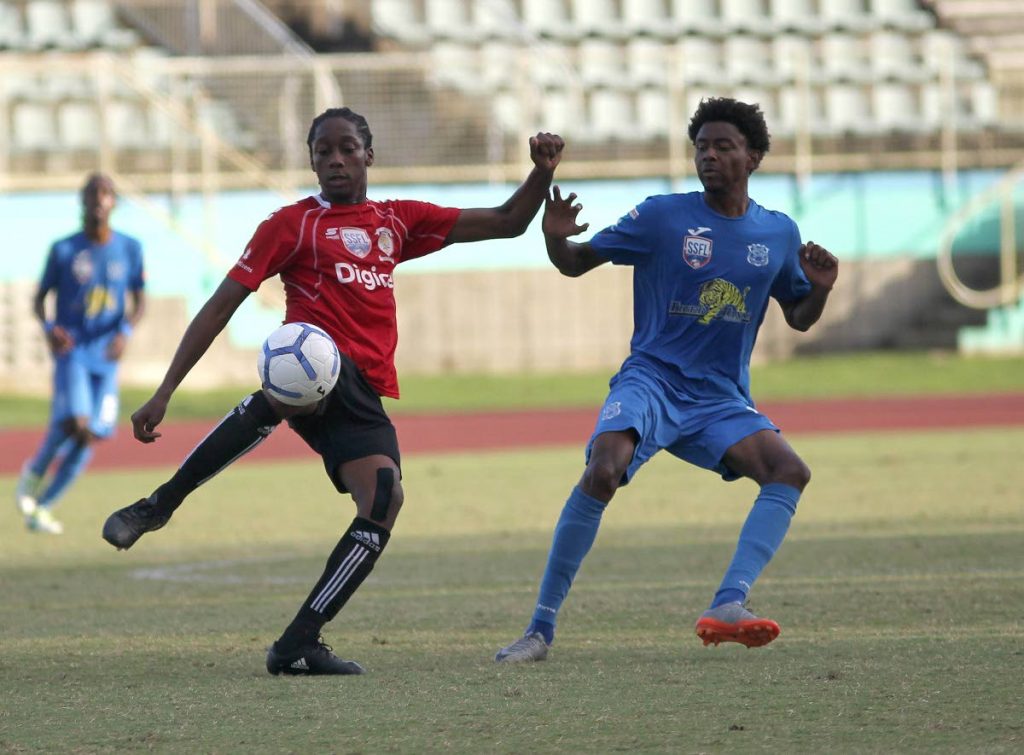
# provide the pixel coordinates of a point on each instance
(704, 267)
(336, 253)
(98, 279)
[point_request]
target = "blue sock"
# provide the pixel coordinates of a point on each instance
(52, 442)
(574, 534)
(761, 536)
(75, 459)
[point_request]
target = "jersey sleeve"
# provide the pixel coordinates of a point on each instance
(267, 252)
(791, 284)
(427, 226)
(628, 241)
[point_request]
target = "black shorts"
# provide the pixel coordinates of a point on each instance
(350, 423)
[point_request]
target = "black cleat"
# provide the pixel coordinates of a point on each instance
(127, 525)
(315, 659)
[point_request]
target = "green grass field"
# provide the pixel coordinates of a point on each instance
(899, 591)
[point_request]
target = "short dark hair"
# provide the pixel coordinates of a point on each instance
(349, 115)
(747, 118)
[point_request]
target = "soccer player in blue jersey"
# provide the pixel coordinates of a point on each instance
(98, 280)
(704, 267)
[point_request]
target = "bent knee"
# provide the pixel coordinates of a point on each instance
(793, 472)
(601, 479)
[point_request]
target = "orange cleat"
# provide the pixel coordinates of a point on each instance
(734, 623)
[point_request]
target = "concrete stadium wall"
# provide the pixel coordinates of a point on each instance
(502, 322)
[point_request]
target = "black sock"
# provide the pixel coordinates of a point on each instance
(244, 428)
(351, 562)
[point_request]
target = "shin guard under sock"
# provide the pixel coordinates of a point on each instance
(244, 428)
(760, 538)
(574, 534)
(350, 563)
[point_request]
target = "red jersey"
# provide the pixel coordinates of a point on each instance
(337, 264)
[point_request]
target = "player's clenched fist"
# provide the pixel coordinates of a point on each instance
(546, 150)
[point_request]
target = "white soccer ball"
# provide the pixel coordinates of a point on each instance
(298, 364)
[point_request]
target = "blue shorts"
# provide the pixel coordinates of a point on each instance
(694, 425)
(84, 389)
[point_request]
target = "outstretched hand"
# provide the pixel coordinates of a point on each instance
(546, 150)
(560, 215)
(147, 417)
(819, 265)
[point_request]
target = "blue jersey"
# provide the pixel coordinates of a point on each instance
(701, 284)
(92, 281)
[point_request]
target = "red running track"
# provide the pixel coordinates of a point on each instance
(441, 433)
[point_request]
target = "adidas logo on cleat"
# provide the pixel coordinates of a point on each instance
(369, 539)
(300, 665)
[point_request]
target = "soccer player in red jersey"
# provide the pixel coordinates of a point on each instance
(335, 253)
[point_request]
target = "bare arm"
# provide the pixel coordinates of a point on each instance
(200, 333)
(822, 270)
(513, 217)
(134, 314)
(58, 339)
(571, 258)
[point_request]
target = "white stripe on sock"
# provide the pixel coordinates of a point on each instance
(341, 576)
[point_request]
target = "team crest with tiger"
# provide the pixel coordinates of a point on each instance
(757, 255)
(386, 244)
(696, 251)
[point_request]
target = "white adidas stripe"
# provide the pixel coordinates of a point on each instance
(341, 576)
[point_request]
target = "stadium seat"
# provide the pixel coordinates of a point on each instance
(608, 116)
(599, 62)
(697, 17)
(47, 26)
(795, 16)
(597, 18)
(792, 56)
(449, 19)
(549, 20)
(845, 15)
(747, 59)
(496, 19)
(944, 51)
(846, 109)
(745, 16)
(94, 24)
(648, 18)
(32, 127)
(560, 111)
(550, 66)
(894, 107)
(507, 111)
(499, 64)
(399, 20)
(984, 104)
(647, 62)
(843, 58)
(12, 34)
(801, 110)
(78, 126)
(66, 84)
(456, 65)
(652, 113)
(700, 60)
(891, 56)
(904, 15)
(127, 126)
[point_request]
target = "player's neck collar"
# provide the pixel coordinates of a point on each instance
(328, 204)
